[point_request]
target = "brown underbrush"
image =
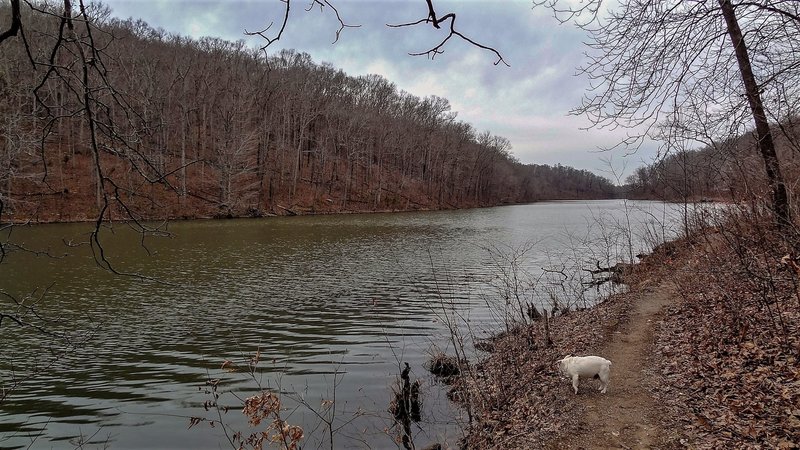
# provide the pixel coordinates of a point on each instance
(727, 353)
(68, 193)
(724, 365)
(517, 395)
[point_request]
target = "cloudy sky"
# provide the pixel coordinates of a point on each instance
(528, 102)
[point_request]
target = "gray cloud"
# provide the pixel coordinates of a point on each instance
(528, 102)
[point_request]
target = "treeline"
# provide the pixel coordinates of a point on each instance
(141, 123)
(731, 169)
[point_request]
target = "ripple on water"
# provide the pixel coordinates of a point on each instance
(331, 303)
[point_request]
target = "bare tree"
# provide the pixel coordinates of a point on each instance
(711, 70)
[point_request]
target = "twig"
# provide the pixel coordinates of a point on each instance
(436, 23)
(321, 3)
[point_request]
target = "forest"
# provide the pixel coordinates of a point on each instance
(729, 170)
(115, 121)
(132, 122)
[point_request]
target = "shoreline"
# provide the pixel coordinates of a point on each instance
(528, 404)
(294, 212)
(4, 221)
(681, 352)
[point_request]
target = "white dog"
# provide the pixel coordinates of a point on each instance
(577, 367)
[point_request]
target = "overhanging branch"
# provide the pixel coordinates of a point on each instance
(321, 3)
(16, 22)
(436, 22)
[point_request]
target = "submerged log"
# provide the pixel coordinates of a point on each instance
(615, 274)
(288, 211)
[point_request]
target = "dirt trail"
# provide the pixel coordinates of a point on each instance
(627, 416)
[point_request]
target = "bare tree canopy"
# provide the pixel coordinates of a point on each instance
(692, 71)
(112, 120)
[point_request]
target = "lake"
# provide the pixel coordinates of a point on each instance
(334, 305)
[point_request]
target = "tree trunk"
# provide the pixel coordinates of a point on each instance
(184, 130)
(780, 198)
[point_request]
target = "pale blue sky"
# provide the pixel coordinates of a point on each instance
(527, 103)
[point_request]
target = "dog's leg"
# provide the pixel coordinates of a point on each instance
(575, 383)
(604, 380)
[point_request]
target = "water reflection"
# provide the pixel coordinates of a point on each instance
(355, 295)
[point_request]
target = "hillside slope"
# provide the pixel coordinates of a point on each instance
(138, 123)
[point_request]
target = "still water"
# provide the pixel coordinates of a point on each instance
(333, 305)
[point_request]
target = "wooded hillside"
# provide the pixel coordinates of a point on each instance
(731, 169)
(139, 123)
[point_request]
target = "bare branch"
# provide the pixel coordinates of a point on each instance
(16, 22)
(27, 307)
(783, 12)
(584, 14)
(321, 3)
(342, 25)
(436, 23)
(280, 32)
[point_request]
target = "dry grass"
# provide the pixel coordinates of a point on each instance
(728, 355)
(725, 361)
(517, 392)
